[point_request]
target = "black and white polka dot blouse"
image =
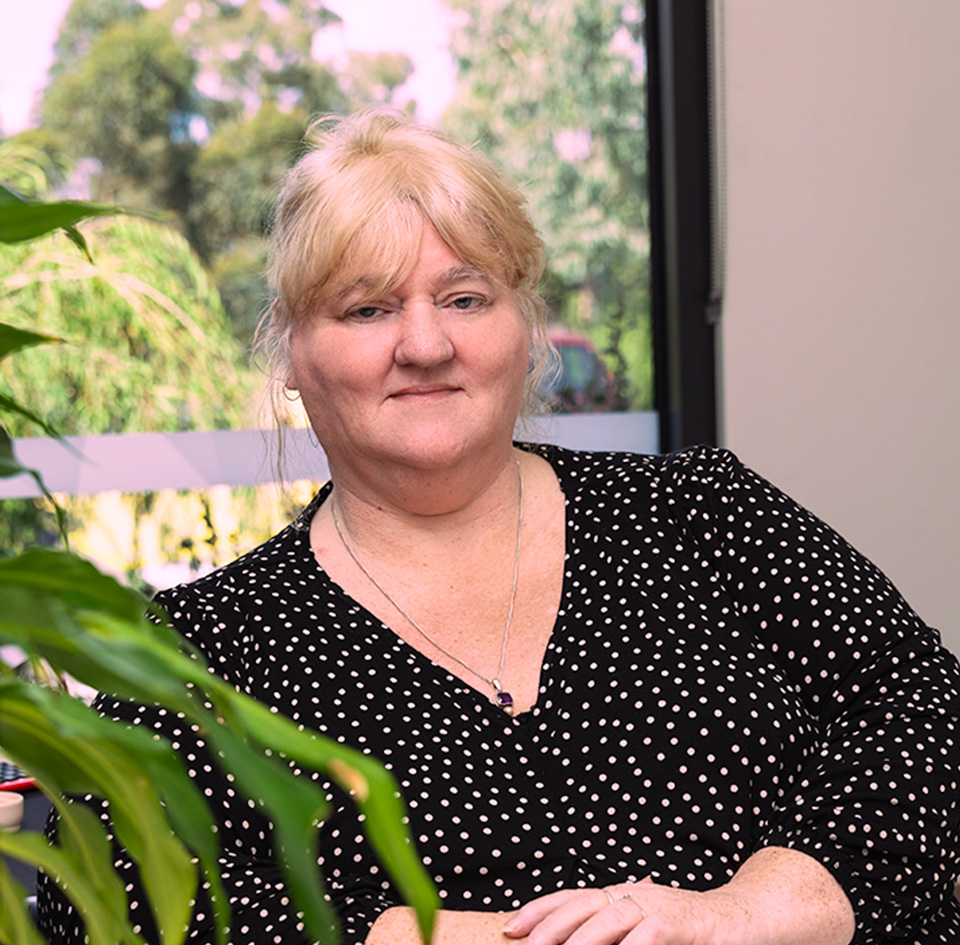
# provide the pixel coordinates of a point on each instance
(725, 673)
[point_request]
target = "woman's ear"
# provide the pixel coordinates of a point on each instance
(290, 391)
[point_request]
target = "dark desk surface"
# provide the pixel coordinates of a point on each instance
(35, 808)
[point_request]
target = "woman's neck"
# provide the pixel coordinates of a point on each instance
(445, 506)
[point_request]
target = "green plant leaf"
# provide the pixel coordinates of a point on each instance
(73, 580)
(78, 240)
(295, 807)
(190, 817)
(15, 925)
(9, 405)
(84, 838)
(13, 339)
(69, 748)
(133, 769)
(22, 219)
(10, 466)
(59, 607)
(372, 788)
(127, 658)
(103, 926)
(166, 869)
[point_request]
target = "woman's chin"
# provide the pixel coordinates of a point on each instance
(429, 448)
(430, 453)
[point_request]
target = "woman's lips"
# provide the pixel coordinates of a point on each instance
(425, 391)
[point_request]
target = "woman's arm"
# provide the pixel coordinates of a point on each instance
(397, 926)
(877, 805)
(799, 898)
(778, 897)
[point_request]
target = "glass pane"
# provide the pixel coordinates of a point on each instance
(555, 91)
(196, 109)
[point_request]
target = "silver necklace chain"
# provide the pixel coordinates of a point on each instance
(502, 698)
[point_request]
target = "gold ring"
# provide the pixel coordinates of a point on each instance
(643, 913)
(606, 892)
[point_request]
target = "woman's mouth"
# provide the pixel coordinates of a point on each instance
(425, 391)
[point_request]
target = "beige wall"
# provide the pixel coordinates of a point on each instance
(841, 330)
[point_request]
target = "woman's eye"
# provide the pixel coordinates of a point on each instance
(366, 312)
(465, 302)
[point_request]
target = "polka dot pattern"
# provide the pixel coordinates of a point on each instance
(725, 673)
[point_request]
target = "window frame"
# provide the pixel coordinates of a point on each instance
(685, 225)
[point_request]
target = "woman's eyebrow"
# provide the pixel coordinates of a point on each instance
(463, 274)
(361, 285)
(448, 277)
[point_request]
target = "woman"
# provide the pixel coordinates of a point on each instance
(628, 699)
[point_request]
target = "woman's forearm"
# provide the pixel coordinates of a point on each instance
(795, 898)
(397, 926)
(778, 897)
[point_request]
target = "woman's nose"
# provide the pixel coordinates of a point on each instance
(424, 339)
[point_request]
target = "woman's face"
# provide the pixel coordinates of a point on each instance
(422, 377)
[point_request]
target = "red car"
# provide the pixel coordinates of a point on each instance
(584, 385)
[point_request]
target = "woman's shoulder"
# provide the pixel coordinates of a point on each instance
(592, 469)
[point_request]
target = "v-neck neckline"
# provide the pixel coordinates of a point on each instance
(477, 693)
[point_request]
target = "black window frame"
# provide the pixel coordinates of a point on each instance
(686, 284)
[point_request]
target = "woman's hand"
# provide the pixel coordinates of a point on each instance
(641, 913)
(777, 897)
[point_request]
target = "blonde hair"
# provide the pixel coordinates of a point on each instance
(359, 199)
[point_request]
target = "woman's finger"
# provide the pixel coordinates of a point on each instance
(590, 917)
(535, 911)
(610, 925)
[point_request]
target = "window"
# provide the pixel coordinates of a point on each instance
(557, 91)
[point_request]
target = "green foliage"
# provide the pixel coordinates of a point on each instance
(157, 349)
(85, 20)
(24, 221)
(240, 276)
(236, 176)
(235, 179)
(252, 54)
(57, 607)
(158, 353)
(18, 339)
(12, 340)
(33, 164)
(128, 104)
(555, 92)
(199, 107)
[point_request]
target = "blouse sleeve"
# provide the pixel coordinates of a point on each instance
(261, 911)
(879, 805)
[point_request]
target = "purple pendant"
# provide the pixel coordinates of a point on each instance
(504, 699)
